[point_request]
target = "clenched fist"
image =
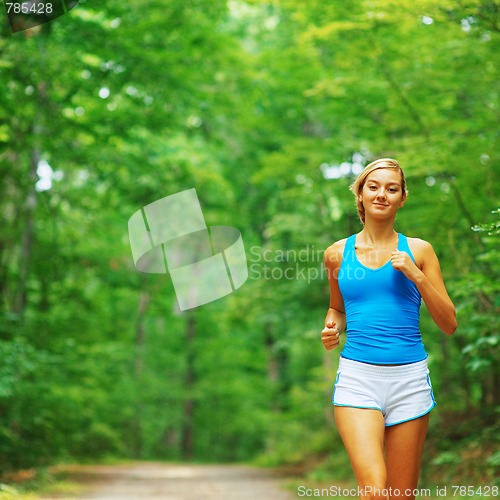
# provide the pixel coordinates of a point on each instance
(330, 336)
(401, 261)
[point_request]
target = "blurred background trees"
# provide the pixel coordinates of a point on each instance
(268, 109)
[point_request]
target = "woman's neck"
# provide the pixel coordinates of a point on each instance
(378, 233)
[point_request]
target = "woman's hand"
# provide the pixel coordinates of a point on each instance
(401, 261)
(330, 336)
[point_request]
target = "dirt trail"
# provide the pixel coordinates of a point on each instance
(180, 482)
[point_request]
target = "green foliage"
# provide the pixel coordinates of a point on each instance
(250, 102)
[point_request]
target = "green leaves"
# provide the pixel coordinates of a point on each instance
(250, 103)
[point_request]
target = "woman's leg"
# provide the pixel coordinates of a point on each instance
(362, 432)
(404, 444)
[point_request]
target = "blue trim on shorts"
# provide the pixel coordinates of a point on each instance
(432, 392)
(335, 386)
(422, 414)
(350, 406)
(414, 418)
(359, 407)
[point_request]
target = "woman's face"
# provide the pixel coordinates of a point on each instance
(382, 195)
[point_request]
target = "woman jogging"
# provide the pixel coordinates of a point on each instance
(383, 395)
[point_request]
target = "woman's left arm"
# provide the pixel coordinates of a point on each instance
(429, 282)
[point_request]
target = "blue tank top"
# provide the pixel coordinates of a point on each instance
(382, 309)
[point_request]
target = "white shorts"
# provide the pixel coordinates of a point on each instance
(401, 392)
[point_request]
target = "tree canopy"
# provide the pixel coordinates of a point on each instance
(268, 109)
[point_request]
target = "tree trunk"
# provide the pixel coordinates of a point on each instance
(272, 366)
(140, 334)
(189, 380)
(28, 231)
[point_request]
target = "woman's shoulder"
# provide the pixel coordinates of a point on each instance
(420, 249)
(418, 243)
(337, 247)
(333, 254)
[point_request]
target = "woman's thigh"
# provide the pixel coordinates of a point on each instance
(404, 444)
(362, 432)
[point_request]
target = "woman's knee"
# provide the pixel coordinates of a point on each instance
(373, 487)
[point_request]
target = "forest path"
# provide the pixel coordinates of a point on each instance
(180, 482)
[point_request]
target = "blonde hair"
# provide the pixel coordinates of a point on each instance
(357, 186)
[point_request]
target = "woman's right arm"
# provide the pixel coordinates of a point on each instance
(335, 321)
